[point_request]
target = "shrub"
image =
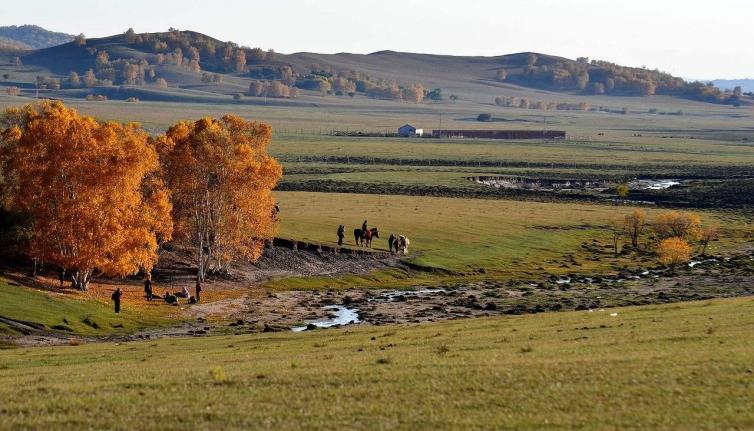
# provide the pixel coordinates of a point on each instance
(484, 117)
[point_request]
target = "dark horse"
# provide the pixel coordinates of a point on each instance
(364, 237)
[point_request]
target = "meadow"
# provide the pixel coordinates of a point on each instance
(465, 236)
(83, 314)
(682, 366)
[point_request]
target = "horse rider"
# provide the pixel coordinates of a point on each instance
(364, 227)
(341, 234)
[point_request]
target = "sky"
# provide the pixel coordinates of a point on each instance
(691, 38)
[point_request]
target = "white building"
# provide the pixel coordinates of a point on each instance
(409, 131)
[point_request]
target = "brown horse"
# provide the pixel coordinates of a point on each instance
(364, 237)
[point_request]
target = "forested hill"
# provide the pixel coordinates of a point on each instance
(32, 37)
(186, 59)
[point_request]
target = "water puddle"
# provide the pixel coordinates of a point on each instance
(647, 184)
(401, 294)
(342, 316)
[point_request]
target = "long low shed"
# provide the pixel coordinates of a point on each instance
(500, 134)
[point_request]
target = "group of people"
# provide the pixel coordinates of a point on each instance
(397, 244)
(342, 231)
(168, 297)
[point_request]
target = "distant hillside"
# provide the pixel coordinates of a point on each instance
(747, 85)
(195, 62)
(12, 45)
(33, 37)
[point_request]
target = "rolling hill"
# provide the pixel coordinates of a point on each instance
(32, 36)
(193, 66)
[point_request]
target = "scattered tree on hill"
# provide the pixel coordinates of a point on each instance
(73, 81)
(239, 60)
(414, 93)
(90, 80)
(162, 83)
(674, 251)
(634, 225)
(684, 225)
(89, 188)
(238, 97)
(221, 179)
(130, 35)
(80, 40)
(436, 95)
(501, 75)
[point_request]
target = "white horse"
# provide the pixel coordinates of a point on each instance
(401, 245)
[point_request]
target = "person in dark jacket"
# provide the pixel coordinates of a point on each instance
(148, 288)
(364, 227)
(61, 277)
(391, 242)
(341, 234)
(116, 298)
(198, 289)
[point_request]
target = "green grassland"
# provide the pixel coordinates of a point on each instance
(498, 238)
(66, 314)
(683, 366)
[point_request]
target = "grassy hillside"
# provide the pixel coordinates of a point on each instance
(196, 65)
(683, 366)
(33, 36)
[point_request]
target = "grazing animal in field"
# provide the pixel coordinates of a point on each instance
(391, 242)
(364, 237)
(401, 245)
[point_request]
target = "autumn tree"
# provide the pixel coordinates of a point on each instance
(162, 83)
(673, 251)
(239, 60)
(501, 75)
(90, 80)
(12, 91)
(73, 81)
(684, 225)
(221, 179)
(257, 88)
(80, 40)
(634, 225)
(89, 187)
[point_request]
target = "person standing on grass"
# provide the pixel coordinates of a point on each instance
(148, 287)
(198, 289)
(116, 298)
(341, 234)
(61, 277)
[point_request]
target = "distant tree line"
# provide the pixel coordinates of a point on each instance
(602, 77)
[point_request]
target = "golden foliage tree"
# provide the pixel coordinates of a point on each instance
(684, 225)
(634, 225)
(90, 189)
(674, 251)
(221, 179)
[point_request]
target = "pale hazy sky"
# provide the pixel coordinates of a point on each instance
(693, 39)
